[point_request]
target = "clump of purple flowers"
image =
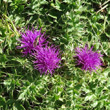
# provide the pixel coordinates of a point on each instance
(46, 59)
(88, 59)
(30, 39)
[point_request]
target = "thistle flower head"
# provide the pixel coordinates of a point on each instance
(30, 39)
(88, 59)
(46, 59)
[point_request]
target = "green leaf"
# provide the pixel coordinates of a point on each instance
(2, 101)
(94, 104)
(90, 97)
(18, 106)
(7, 0)
(23, 95)
(53, 16)
(106, 72)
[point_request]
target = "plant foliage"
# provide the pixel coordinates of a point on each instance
(69, 24)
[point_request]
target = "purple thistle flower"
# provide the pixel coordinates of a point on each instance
(88, 59)
(46, 59)
(30, 39)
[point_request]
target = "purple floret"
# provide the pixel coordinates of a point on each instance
(30, 39)
(88, 59)
(47, 59)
